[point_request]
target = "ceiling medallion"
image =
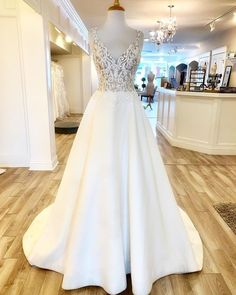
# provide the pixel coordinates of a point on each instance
(165, 31)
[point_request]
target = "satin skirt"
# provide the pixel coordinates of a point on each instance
(115, 212)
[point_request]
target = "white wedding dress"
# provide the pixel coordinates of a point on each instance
(60, 103)
(115, 212)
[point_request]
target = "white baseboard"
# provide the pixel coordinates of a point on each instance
(43, 166)
(197, 146)
(12, 161)
(9, 161)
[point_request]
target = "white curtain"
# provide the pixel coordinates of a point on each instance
(60, 103)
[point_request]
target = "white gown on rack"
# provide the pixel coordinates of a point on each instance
(60, 103)
(115, 212)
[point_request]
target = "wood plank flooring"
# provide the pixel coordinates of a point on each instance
(198, 181)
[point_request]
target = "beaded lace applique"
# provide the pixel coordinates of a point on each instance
(115, 74)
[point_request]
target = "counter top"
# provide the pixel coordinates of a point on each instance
(198, 94)
(206, 94)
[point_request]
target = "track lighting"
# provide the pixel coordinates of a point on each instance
(212, 23)
(212, 26)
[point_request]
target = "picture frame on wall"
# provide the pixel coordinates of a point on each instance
(225, 82)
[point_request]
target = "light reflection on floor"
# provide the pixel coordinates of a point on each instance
(151, 114)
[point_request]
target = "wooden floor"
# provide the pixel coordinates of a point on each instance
(198, 180)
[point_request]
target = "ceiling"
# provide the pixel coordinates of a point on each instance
(192, 19)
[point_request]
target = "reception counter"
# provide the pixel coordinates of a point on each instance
(198, 121)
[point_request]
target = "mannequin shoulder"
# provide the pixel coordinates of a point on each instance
(141, 37)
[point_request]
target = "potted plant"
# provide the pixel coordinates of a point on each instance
(143, 80)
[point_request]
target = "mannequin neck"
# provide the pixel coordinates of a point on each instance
(115, 18)
(116, 33)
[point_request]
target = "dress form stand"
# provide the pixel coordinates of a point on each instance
(115, 33)
(150, 89)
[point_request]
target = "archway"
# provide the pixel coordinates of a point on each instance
(193, 66)
(171, 72)
(181, 73)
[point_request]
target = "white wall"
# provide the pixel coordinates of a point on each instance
(218, 57)
(226, 38)
(13, 126)
(72, 67)
(27, 134)
(35, 53)
(80, 79)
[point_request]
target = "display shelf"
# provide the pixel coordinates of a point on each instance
(197, 78)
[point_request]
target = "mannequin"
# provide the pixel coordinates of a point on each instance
(214, 69)
(115, 33)
(150, 89)
(150, 85)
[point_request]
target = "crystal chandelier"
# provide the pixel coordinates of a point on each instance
(157, 36)
(169, 26)
(165, 31)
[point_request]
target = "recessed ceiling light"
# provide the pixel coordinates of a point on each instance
(146, 40)
(68, 39)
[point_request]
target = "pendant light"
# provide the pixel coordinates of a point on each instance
(166, 29)
(170, 26)
(116, 6)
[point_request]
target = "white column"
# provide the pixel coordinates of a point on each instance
(27, 137)
(36, 63)
(14, 150)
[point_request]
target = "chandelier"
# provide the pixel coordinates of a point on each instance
(157, 36)
(165, 31)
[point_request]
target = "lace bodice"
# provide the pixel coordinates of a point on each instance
(115, 74)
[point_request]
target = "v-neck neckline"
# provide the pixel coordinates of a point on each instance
(116, 59)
